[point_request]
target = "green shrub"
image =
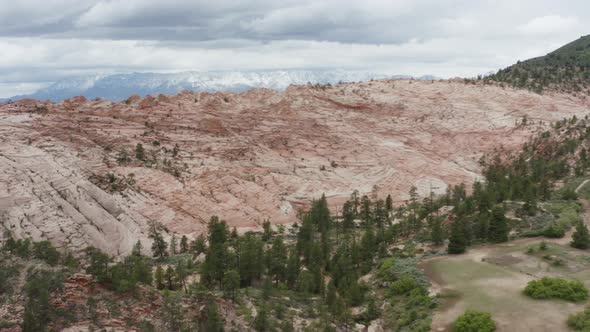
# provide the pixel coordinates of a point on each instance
(474, 321)
(569, 195)
(384, 269)
(45, 251)
(554, 231)
(569, 216)
(580, 321)
(403, 285)
(555, 288)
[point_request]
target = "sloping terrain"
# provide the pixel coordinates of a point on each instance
(70, 172)
(566, 69)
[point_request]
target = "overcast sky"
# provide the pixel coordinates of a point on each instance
(45, 40)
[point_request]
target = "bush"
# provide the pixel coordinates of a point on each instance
(580, 321)
(403, 285)
(555, 288)
(474, 321)
(45, 251)
(554, 231)
(569, 195)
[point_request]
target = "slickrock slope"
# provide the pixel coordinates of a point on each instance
(246, 157)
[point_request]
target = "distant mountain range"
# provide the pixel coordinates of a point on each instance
(120, 86)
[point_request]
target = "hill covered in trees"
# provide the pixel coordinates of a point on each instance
(566, 69)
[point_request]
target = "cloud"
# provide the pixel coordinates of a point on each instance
(42, 41)
(549, 25)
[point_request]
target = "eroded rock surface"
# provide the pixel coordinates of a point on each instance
(246, 157)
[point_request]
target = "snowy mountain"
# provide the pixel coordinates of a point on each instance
(120, 86)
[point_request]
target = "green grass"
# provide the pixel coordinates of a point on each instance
(466, 277)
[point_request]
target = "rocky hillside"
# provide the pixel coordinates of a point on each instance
(91, 172)
(566, 69)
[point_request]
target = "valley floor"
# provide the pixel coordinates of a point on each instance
(491, 278)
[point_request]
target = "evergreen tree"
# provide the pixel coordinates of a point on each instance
(173, 245)
(348, 216)
(169, 277)
(389, 203)
(292, 269)
(457, 241)
(98, 264)
(139, 152)
(481, 231)
(37, 306)
(183, 244)
(498, 228)
(278, 259)
(159, 276)
(212, 321)
(436, 234)
(231, 283)
(137, 247)
(159, 245)
(216, 258)
(267, 230)
(251, 255)
(366, 210)
(181, 273)
(261, 321)
(368, 248)
(581, 238)
(198, 246)
(172, 311)
(331, 295)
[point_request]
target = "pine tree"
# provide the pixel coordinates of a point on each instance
(217, 255)
(183, 244)
(172, 311)
(198, 246)
(292, 269)
(581, 238)
(368, 248)
(331, 294)
(436, 234)
(261, 320)
(267, 230)
(278, 259)
(498, 228)
(136, 251)
(251, 255)
(169, 276)
(366, 210)
(159, 245)
(139, 152)
(181, 273)
(231, 283)
(212, 322)
(457, 241)
(159, 276)
(173, 245)
(98, 264)
(348, 216)
(389, 203)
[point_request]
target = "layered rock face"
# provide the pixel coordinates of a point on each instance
(69, 172)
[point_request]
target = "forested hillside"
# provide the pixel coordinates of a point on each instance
(566, 69)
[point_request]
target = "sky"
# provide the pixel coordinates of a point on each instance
(46, 40)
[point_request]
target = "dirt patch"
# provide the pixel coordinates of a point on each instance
(503, 260)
